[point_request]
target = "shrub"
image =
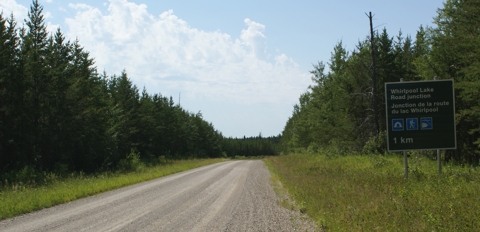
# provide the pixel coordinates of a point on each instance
(131, 162)
(376, 144)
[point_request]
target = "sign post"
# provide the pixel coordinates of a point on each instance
(439, 156)
(420, 116)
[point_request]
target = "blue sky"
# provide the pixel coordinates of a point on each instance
(243, 64)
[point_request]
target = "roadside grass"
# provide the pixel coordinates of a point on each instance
(369, 192)
(20, 198)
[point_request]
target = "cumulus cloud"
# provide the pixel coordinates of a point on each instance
(164, 53)
(10, 6)
(254, 38)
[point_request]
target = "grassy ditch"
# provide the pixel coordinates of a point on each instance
(20, 198)
(369, 193)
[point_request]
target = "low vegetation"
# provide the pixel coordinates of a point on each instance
(42, 190)
(370, 193)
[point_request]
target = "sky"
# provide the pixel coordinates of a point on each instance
(242, 64)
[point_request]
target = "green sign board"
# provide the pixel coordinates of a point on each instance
(420, 115)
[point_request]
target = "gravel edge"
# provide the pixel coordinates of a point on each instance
(300, 221)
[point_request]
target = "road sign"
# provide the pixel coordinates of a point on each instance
(420, 115)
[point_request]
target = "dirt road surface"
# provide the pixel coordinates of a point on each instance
(228, 196)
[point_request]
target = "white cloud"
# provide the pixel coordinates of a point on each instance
(165, 54)
(10, 6)
(47, 15)
(284, 60)
(253, 37)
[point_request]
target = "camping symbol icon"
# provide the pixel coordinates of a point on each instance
(397, 124)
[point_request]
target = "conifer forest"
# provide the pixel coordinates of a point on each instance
(59, 113)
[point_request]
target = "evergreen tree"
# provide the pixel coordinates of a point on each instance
(34, 52)
(11, 95)
(455, 55)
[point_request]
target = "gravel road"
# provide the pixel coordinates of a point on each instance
(228, 196)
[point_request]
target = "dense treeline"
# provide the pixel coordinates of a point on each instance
(337, 111)
(252, 146)
(57, 113)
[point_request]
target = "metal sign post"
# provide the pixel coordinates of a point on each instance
(405, 157)
(439, 157)
(420, 116)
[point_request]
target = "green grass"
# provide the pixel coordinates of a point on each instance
(19, 198)
(369, 193)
